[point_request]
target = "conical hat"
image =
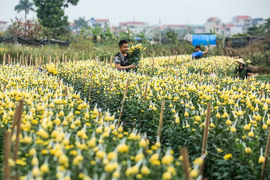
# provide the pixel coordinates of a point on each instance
(240, 61)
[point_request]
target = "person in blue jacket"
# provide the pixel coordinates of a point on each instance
(198, 53)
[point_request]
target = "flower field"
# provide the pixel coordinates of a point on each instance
(87, 120)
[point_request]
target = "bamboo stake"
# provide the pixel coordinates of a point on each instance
(4, 58)
(84, 75)
(153, 65)
(26, 61)
(168, 64)
(111, 81)
(7, 154)
(39, 61)
(90, 88)
(17, 143)
(248, 84)
(36, 61)
(31, 59)
(66, 91)
(111, 60)
(99, 115)
(74, 76)
(14, 120)
(265, 156)
(146, 147)
(205, 135)
(145, 92)
(9, 60)
(261, 93)
(140, 66)
(124, 97)
(176, 75)
(186, 164)
(175, 61)
(161, 119)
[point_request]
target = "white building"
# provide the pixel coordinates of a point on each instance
(103, 23)
(197, 28)
(258, 21)
(3, 26)
(134, 27)
(242, 21)
(174, 27)
(213, 24)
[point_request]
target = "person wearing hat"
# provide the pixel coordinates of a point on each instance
(242, 70)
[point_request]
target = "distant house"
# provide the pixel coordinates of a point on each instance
(134, 26)
(213, 24)
(197, 28)
(258, 21)
(72, 27)
(103, 23)
(242, 21)
(3, 26)
(174, 27)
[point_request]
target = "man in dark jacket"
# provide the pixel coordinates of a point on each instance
(122, 59)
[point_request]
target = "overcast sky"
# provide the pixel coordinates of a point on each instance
(170, 11)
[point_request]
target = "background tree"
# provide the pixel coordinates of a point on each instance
(80, 23)
(96, 32)
(51, 14)
(126, 35)
(143, 37)
(262, 30)
(26, 6)
(16, 29)
(31, 28)
(108, 35)
(266, 28)
(171, 35)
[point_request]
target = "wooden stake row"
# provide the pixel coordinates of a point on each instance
(161, 119)
(205, 135)
(8, 135)
(186, 163)
(265, 156)
(124, 97)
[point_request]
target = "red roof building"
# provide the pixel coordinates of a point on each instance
(174, 26)
(242, 17)
(229, 26)
(243, 22)
(102, 20)
(3, 22)
(131, 23)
